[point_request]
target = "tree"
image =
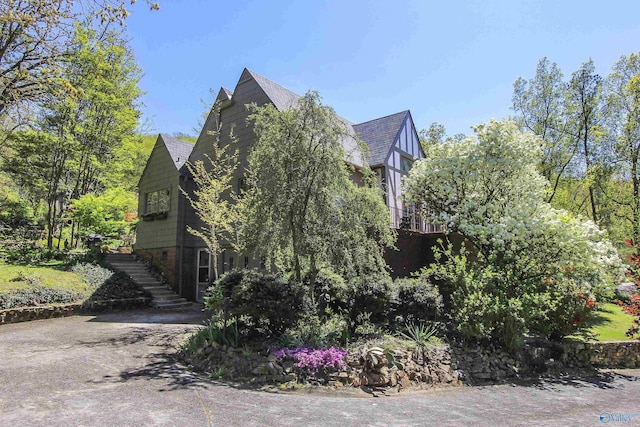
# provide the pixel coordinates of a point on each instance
(435, 134)
(36, 37)
(540, 107)
(130, 159)
(302, 210)
(105, 76)
(584, 108)
(622, 114)
(532, 267)
(105, 214)
(81, 125)
(213, 199)
(38, 162)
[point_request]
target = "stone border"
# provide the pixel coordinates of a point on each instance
(606, 354)
(26, 314)
(443, 365)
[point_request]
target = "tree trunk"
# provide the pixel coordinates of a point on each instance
(296, 256)
(592, 199)
(635, 203)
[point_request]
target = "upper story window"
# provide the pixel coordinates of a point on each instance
(405, 164)
(158, 201)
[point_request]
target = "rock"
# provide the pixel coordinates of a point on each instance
(393, 379)
(374, 378)
(267, 368)
(459, 375)
(403, 379)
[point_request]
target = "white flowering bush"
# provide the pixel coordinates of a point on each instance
(525, 266)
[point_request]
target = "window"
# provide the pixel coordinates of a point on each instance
(242, 185)
(230, 263)
(405, 164)
(204, 260)
(204, 273)
(158, 202)
(246, 262)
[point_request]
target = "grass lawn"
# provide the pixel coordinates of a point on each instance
(51, 274)
(609, 324)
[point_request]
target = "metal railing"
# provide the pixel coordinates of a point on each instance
(409, 218)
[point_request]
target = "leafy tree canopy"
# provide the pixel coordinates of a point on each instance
(533, 267)
(302, 210)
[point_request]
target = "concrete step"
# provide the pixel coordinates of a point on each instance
(160, 290)
(125, 257)
(151, 284)
(145, 279)
(156, 287)
(163, 297)
(129, 267)
(172, 305)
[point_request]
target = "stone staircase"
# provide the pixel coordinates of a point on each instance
(163, 297)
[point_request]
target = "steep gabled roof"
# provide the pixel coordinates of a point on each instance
(178, 150)
(281, 97)
(224, 95)
(380, 134)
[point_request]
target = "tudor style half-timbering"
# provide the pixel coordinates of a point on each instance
(395, 146)
(393, 143)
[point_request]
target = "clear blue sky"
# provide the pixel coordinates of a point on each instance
(452, 62)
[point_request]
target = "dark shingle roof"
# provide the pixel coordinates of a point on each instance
(178, 150)
(380, 134)
(224, 95)
(281, 97)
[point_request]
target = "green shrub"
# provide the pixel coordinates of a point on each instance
(330, 291)
(210, 333)
(93, 274)
(417, 300)
(314, 331)
(421, 333)
(26, 253)
(267, 303)
(222, 288)
(36, 295)
(371, 294)
(488, 304)
(118, 286)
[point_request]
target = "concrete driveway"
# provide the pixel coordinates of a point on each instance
(116, 370)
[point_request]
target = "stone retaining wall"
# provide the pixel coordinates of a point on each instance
(25, 314)
(441, 365)
(612, 354)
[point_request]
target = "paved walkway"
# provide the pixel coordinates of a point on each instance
(116, 370)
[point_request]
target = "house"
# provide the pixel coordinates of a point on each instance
(162, 237)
